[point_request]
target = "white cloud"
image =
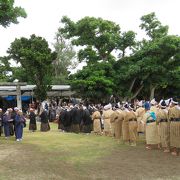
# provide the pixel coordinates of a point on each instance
(44, 16)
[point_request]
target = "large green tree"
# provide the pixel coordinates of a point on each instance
(152, 65)
(94, 82)
(36, 59)
(96, 37)
(9, 13)
(98, 40)
(5, 69)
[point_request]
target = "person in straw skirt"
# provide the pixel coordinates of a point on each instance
(96, 117)
(174, 117)
(106, 117)
(117, 118)
(162, 119)
(149, 119)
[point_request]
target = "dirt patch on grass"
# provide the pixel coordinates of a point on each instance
(34, 159)
(136, 163)
(30, 164)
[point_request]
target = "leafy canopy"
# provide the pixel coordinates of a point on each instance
(9, 14)
(36, 58)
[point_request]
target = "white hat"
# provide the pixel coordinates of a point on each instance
(174, 101)
(140, 103)
(71, 106)
(163, 104)
(153, 102)
(108, 106)
(16, 108)
(161, 101)
(0, 109)
(167, 101)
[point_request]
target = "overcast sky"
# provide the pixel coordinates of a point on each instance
(44, 16)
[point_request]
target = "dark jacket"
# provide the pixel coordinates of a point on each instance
(44, 117)
(86, 117)
(32, 118)
(76, 116)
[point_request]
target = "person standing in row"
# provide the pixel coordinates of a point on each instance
(149, 119)
(76, 119)
(44, 121)
(162, 120)
(117, 118)
(131, 116)
(87, 120)
(1, 121)
(96, 117)
(6, 120)
(125, 125)
(108, 129)
(174, 117)
(32, 122)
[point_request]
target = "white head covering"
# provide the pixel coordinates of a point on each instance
(0, 109)
(140, 103)
(167, 101)
(108, 106)
(153, 102)
(16, 108)
(174, 102)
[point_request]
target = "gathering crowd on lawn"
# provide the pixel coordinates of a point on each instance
(159, 121)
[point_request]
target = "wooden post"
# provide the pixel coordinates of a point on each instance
(18, 90)
(18, 96)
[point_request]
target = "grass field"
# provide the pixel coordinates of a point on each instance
(56, 155)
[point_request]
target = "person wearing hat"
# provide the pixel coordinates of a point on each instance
(125, 124)
(96, 118)
(162, 119)
(131, 116)
(106, 117)
(151, 130)
(19, 125)
(117, 118)
(32, 122)
(155, 108)
(174, 118)
(140, 111)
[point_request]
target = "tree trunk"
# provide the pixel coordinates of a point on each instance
(152, 91)
(137, 92)
(132, 84)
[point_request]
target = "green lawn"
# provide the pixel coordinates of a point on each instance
(54, 148)
(56, 155)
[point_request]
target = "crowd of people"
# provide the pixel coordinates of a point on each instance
(12, 122)
(159, 121)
